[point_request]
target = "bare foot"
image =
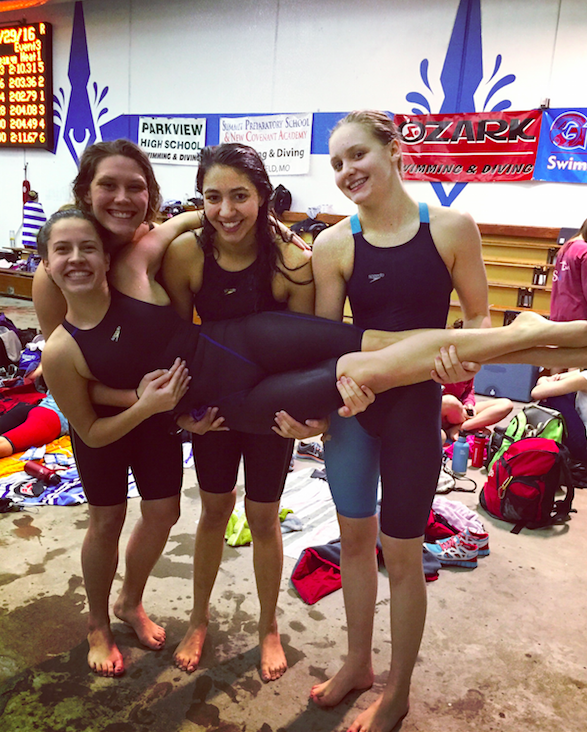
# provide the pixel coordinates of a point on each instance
(543, 332)
(380, 717)
(188, 652)
(273, 661)
(104, 658)
(149, 633)
(348, 678)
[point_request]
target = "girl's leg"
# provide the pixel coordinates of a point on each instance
(358, 565)
(104, 474)
(411, 360)
(403, 560)
(209, 544)
(40, 426)
(263, 519)
(145, 545)
(352, 464)
(558, 359)
(217, 457)
(156, 460)
(408, 421)
(208, 548)
(99, 562)
(266, 461)
(488, 413)
(249, 399)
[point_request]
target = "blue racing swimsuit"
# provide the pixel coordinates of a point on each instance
(392, 288)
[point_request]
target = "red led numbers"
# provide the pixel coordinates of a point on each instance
(26, 90)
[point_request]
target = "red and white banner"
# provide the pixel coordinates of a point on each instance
(482, 147)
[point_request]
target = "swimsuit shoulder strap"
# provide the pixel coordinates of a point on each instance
(355, 224)
(424, 213)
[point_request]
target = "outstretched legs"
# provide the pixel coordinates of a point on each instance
(411, 360)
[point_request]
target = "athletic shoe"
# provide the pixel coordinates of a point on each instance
(454, 552)
(480, 540)
(310, 451)
(291, 465)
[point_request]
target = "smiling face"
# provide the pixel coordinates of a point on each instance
(362, 164)
(118, 196)
(231, 204)
(75, 260)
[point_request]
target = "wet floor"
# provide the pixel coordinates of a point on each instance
(505, 648)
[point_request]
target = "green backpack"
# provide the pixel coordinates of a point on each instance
(531, 421)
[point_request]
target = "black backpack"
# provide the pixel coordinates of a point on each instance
(281, 200)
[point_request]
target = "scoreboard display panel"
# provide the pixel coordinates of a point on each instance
(26, 88)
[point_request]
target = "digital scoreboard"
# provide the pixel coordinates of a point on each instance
(26, 88)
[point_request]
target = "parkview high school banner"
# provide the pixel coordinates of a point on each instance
(481, 147)
(172, 140)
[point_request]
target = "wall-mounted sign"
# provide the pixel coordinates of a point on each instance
(562, 150)
(26, 86)
(172, 140)
(482, 146)
(282, 140)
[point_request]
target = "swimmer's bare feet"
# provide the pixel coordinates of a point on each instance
(544, 332)
(346, 679)
(381, 716)
(188, 653)
(273, 661)
(149, 633)
(104, 658)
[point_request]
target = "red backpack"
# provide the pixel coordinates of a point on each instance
(522, 483)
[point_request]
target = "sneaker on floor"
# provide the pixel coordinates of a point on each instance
(291, 465)
(310, 451)
(481, 540)
(454, 552)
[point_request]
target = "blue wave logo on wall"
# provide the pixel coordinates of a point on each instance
(461, 78)
(83, 108)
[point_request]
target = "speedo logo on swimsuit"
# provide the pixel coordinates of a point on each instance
(116, 334)
(230, 291)
(375, 277)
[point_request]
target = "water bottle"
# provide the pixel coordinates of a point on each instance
(42, 473)
(478, 454)
(460, 455)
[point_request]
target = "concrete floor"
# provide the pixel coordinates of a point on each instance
(505, 647)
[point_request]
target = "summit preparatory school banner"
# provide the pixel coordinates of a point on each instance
(482, 147)
(282, 140)
(562, 151)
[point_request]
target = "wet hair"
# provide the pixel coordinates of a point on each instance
(93, 156)
(44, 233)
(379, 124)
(246, 160)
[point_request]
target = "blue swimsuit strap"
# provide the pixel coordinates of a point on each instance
(422, 207)
(424, 213)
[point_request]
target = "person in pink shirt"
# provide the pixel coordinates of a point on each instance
(569, 279)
